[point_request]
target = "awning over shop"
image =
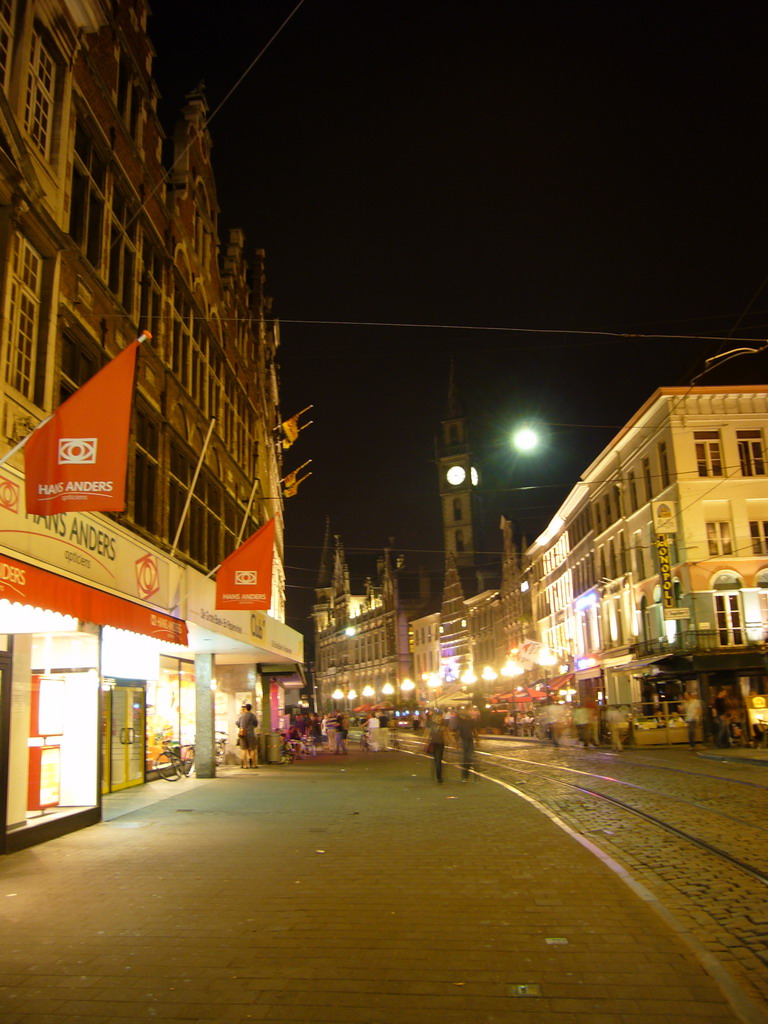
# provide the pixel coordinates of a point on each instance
(560, 681)
(457, 696)
(638, 665)
(24, 584)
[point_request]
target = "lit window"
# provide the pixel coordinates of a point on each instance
(751, 457)
(709, 459)
(38, 109)
(23, 316)
(719, 538)
(6, 35)
(758, 530)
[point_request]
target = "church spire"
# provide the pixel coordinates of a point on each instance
(455, 409)
(324, 573)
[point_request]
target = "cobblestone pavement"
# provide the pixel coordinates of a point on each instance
(721, 802)
(339, 890)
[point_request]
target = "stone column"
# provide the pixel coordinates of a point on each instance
(205, 751)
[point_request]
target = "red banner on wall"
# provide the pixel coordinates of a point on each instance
(244, 580)
(77, 459)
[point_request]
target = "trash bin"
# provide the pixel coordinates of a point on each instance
(274, 748)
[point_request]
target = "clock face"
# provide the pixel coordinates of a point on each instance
(474, 477)
(455, 475)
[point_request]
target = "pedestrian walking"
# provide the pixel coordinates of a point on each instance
(247, 723)
(692, 715)
(583, 724)
(373, 725)
(616, 721)
(342, 731)
(314, 734)
(436, 744)
(466, 736)
(722, 718)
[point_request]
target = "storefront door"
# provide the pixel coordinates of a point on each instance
(124, 735)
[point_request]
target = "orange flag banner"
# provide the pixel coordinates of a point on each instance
(244, 579)
(77, 460)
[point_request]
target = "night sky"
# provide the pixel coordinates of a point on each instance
(509, 185)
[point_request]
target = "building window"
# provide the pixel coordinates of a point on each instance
(122, 252)
(709, 459)
(719, 538)
(39, 104)
(456, 510)
(598, 518)
(459, 540)
(79, 361)
(23, 318)
(151, 288)
(647, 478)
(750, 443)
(632, 492)
(146, 466)
(6, 36)
(758, 530)
(86, 218)
(128, 97)
(608, 512)
(730, 629)
(639, 556)
(663, 464)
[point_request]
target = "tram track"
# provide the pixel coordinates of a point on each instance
(694, 839)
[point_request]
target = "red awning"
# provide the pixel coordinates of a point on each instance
(26, 584)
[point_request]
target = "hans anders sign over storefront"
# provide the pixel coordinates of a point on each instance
(82, 545)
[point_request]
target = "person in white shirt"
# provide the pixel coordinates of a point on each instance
(692, 717)
(373, 725)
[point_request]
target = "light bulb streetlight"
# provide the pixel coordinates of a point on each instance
(525, 439)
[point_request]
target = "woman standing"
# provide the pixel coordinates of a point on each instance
(247, 724)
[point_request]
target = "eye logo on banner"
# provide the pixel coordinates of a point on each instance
(77, 451)
(246, 578)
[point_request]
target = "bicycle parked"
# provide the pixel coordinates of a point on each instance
(220, 749)
(174, 761)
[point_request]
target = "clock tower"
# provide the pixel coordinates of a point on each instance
(458, 481)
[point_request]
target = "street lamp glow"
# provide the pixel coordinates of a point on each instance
(352, 694)
(407, 685)
(368, 691)
(388, 688)
(525, 439)
(337, 694)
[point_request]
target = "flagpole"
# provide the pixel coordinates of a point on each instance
(192, 487)
(144, 336)
(247, 512)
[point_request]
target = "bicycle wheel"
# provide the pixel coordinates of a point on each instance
(167, 767)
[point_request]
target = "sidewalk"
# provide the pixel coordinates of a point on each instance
(338, 889)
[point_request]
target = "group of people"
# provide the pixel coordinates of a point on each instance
(458, 728)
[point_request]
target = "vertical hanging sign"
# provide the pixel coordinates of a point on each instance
(665, 569)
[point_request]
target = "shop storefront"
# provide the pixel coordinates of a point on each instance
(99, 667)
(83, 622)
